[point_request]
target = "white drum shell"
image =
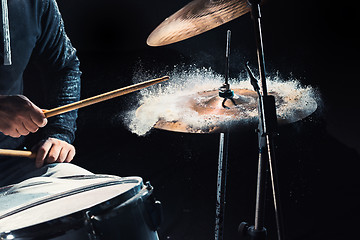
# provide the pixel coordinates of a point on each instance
(64, 208)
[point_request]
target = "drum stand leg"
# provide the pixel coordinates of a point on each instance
(221, 185)
(266, 131)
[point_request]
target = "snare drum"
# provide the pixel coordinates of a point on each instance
(79, 207)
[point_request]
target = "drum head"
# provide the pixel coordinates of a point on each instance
(43, 199)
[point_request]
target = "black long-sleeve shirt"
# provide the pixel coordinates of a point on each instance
(37, 33)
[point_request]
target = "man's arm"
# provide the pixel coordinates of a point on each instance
(58, 59)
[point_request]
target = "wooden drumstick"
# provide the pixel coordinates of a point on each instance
(102, 97)
(17, 153)
(84, 103)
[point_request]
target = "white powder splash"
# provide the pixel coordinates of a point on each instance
(168, 102)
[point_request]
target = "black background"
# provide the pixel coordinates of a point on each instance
(315, 42)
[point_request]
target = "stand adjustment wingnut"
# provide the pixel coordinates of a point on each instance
(248, 232)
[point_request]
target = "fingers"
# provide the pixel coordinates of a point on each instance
(33, 117)
(37, 117)
(54, 150)
(42, 153)
(30, 125)
(35, 120)
(22, 130)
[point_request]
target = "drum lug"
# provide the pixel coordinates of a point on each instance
(155, 213)
(6, 235)
(88, 222)
(157, 216)
(148, 186)
(154, 209)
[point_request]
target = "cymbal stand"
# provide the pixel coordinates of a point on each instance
(221, 185)
(226, 93)
(266, 131)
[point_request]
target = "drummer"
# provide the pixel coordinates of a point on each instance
(33, 31)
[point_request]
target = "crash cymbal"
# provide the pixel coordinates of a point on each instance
(203, 112)
(195, 18)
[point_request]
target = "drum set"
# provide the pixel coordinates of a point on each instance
(111, 207)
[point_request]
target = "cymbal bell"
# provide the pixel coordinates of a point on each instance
(195, 18)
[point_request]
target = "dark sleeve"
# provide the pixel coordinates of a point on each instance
(60, 66)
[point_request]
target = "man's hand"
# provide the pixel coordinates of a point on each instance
(53, 150)
(19, 116)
